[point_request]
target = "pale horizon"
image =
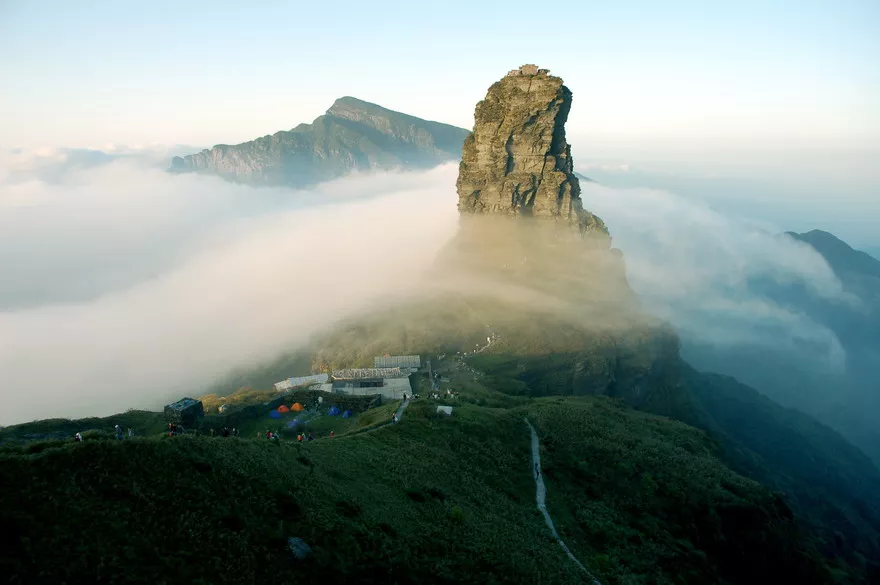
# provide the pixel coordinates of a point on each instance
(759, 75)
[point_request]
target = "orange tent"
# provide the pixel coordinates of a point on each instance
(283, 408)
(297, 407)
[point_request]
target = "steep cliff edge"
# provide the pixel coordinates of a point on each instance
(517, 161)
(353, 135)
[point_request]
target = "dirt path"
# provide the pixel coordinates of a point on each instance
(540, 497)
(401, 408)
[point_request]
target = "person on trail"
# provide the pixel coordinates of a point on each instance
(394, 418)
(311, 436)
(225, 431)
(130, 432)
(269, 434)
(299, 438)
(234, 432)
(537, 470)
(78, 438)
(332, 434)
(119, 433)
(275, 436)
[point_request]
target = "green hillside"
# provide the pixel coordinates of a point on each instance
(827, 481)
(639, 498)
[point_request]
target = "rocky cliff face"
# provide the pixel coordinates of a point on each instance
(517, 161)
(353, 135)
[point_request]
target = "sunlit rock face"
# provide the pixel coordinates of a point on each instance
(517, 161)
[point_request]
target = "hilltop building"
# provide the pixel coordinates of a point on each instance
(528, 69)
(301, 381)
(390, 383)
(413, 362)
(186, 411)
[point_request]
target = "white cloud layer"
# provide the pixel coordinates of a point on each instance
(704, 272)
(179, 279)
(124, 286)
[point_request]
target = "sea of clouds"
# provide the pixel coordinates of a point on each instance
(123, 286)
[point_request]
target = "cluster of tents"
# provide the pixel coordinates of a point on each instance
(297, 407)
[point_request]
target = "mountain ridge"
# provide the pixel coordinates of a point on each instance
(352, 135)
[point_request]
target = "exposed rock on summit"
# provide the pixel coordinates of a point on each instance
(517, 161)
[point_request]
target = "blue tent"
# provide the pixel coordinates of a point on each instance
(346, 414)
(334, 411)
(274, 414)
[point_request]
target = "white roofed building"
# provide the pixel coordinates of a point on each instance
(398, 361)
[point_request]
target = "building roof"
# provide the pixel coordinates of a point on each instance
(183, 403)
(361, 373)
(399, 361)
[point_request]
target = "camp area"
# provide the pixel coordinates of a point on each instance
(299, 411)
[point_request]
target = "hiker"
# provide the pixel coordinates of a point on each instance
(311, 436)
(332, 434)
(225, 432)
(275, 436)
(394, 418)
(234, 432)
(78, 438)
(299, 438)
(537, 471)
(269, 435)
(119, 434)
(130, 432)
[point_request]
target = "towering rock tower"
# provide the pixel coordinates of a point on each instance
(517, 161)
(529, 264)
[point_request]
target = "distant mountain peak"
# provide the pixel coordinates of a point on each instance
(842, 257)
(354, 135)
(349, 103)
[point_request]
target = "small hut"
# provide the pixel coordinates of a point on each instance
(186, 411)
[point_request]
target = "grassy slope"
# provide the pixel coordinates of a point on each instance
(433, 500)
(828, 481)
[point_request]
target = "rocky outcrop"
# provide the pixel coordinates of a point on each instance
(517, 161)
(353, 135)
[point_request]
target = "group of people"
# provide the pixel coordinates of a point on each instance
(301, 437)
(120, 434)
(449, 394)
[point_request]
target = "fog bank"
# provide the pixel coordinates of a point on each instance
(130, 286)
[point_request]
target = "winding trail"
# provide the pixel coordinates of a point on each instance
(401, 408)
(540, 497)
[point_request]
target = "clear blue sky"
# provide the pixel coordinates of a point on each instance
(671, 73)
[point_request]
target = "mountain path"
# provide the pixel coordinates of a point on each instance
(540, 497)
(401, 408)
